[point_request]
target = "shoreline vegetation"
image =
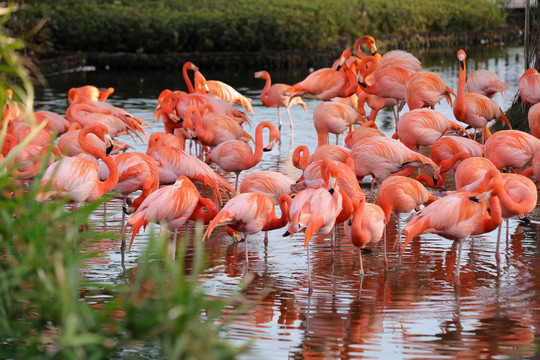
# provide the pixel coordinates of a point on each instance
(155, 34)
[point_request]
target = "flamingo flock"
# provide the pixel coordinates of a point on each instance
(175, 182)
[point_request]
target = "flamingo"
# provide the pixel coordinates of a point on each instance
(511, 148)
(534, 120)
(171, 206)
(426, 89)
(367, 129)
(55, 123)
(163, 139)
(173, 162)
(188, 65)
(236, 155)
(327, 83)
(68, 143)
(271, 96)
(137, 171)
(221, 90)
(365, 226)
(485, 82)
(301, 157)
(212, 129)
(250, 213)
(422, 127)
(380, 157)
(88, 93)
(447, 152)
(77, 178)
(459, 215)
(474, 109)
(400, 194)
(529, 86)
(271, 183)
(117, 120)
(335, 118)
(518, 196)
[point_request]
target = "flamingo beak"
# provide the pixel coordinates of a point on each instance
(373, 49)
(108, 139)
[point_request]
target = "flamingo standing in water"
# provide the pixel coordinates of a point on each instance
(250, 213)
(511, 148)
(88, 93)
(458, 215)
(271, 96)
(335, 118)
(327, 83)
(237, 155)
(485, 82)
(78, 178)
(474, 109)
(271, 183)
(171, 207)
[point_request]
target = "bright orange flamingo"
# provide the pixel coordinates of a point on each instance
(211, 129)
(447, 152)
(426, 89)
(88, 93)
(237, 155)
(188, 65)
(163, 139)
(400, 194)
(335, 118)
(271, 183)
(170, 206)
(485, 82)
(117, 120)
(474, 109)
(422, 127)
(459, 215)
(367, 40)
(68, 143)
(529, 86)
(250, 213)
(271, 96)
(301, 157)
(173, 162)
(518, 197)
(366, 226)
(221, 90)
(534, 120)
(380, 157)
(511, 148)
(327, 83)
(78, 178)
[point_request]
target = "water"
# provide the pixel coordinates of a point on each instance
(411, 311)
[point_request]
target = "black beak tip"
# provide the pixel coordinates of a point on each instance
(180, 120)
(109, 149)
(267, 149)
(287, 233)
(331, 191)
(434, 180)
(473, 198)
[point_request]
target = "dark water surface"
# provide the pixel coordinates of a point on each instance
(412, 311)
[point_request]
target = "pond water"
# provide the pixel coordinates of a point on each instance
(411, 311)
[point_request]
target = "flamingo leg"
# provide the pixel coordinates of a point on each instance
(279, 117)
(290, 121)
(361, 272)
(246, 250)
(310, 285)
(458, 262)
(384, 246)
(497, 249)
(173, 244)
(236, 182)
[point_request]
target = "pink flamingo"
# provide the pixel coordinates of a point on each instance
(221, 90)
(426, 89)
(485, 82)
(534, 120)
(55, 123)
(335, 118)
(237, 155)
(367, 129)
(422, 127)
(529, 86)
(326, 83)
(68, 143)
(78, 178)
(171, 207)
(474, 109)
(271, 183)
(459, 215)
(511, 148)
(301, 157)
(271, 96)
(250, 213)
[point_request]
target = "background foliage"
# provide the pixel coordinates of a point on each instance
(155, 26)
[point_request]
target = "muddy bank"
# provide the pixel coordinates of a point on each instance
(59, 62)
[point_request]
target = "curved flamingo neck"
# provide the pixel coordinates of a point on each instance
(186, 77)
(200, 215)
(446, 165)
(196, 124)
(358, 235)
(265, 89)
(300, 157)
(258, 153)
(102, 187)
(284, 202)
(429, 181)
(459, 102)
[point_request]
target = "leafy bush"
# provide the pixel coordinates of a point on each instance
(154, 26)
